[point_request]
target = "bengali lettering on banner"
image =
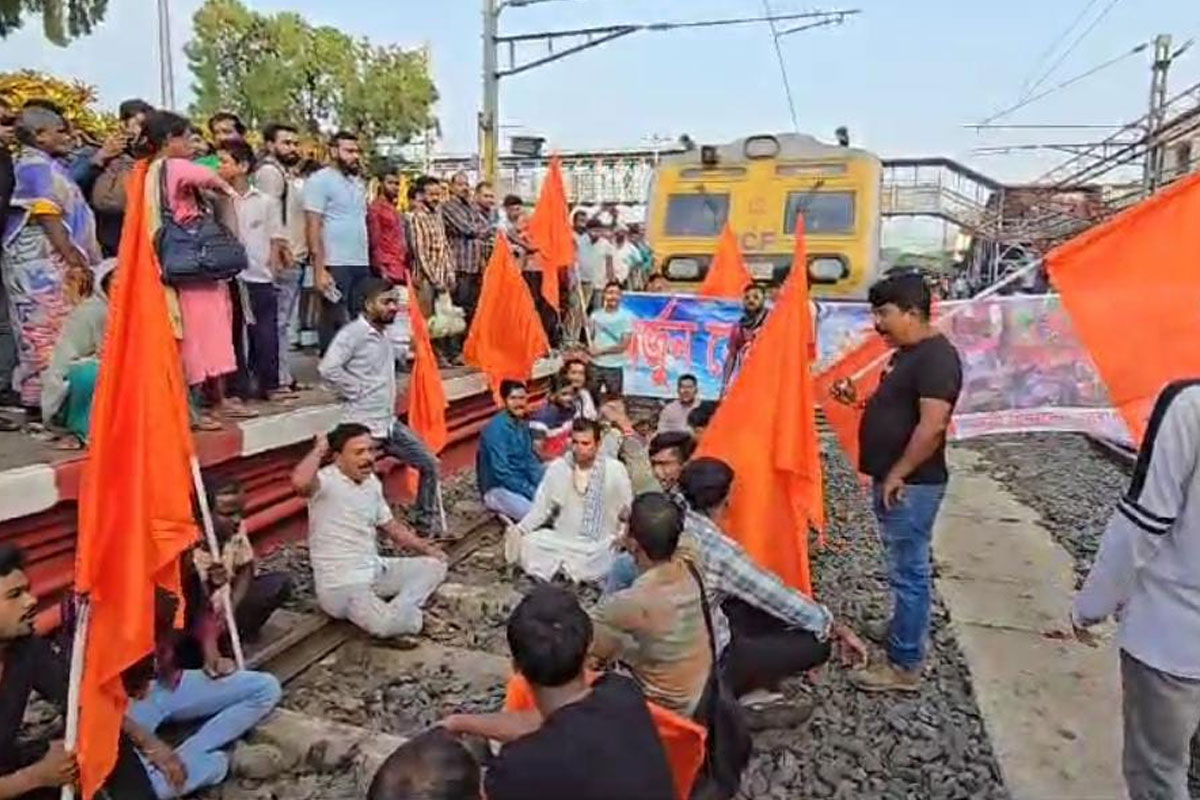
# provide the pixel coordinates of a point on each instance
(677, 334)
(1024, 367)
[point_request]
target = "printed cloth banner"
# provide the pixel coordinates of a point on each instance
(677, 334)
(1024, 367)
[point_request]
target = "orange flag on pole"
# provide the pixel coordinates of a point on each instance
(506, 335)
(135, 508)
(550, 231)
(426, 393)
(765, 429)
(863, 365)
(727, 275)
(1132, 289)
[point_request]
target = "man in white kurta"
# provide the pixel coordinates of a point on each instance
(578, 513)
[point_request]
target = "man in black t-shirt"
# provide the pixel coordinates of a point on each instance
(584, 742)
(902, 446)
(33, 770)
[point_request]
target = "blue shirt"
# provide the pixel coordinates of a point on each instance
(608, 329)
(505, 458)
(341, 201)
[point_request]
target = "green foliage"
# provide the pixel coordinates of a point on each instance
(269, 68)
(62, 20)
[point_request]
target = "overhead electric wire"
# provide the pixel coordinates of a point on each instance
(1026, 88)
(1078, 40)
(783, 72)
(1069, 82)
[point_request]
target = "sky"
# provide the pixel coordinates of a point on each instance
(904, 75)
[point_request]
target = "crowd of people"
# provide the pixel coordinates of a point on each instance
(312, 240)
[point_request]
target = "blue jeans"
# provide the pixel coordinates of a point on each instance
(231, 706)
(405, 446)
(907, 532)
(506, 503)
(623, 573)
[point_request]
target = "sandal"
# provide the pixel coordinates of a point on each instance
(69, 442)
(207, 423)
(235, 410)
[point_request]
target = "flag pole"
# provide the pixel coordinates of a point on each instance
(442, 509)
(224, 595)
(583, 314)
(949, 315)
(75, 682)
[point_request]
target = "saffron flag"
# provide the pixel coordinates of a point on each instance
(550, 231)
(1132, 288)
(727, 275)
(135, 509)
(863, 366)
(765, 429)
(426, 393)
(506, 335)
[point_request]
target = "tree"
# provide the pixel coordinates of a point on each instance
(280, 68)
(62, 20)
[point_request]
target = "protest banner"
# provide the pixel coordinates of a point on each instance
(1024, 367)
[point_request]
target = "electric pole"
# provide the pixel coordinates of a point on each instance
(1153, 170)
(583, 39)
(166, 72)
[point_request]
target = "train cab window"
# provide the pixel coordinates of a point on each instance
(824, 212)
(696, 214)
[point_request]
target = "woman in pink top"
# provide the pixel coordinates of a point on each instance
(205, 309)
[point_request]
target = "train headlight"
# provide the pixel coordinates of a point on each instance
(686, 268)
(827, 269)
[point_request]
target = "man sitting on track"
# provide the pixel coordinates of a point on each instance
(346, 508)
(506, 467)
(576, 514)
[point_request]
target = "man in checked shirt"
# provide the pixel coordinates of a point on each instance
(469, 233)
(432, 265)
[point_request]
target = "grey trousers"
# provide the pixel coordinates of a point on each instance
(1161, 714)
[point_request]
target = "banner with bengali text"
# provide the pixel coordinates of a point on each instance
(1023, 367)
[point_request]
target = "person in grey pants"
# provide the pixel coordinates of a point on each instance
(360, 368)
(1146, 574)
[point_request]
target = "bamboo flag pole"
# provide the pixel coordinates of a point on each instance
(75, 682)
(224, 595)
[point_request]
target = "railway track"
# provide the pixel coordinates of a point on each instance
(1117, 452)
(314, 636)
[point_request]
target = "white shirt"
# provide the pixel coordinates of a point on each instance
(593, 265)
(623, 260)
(342, 520)
(1147, 572)
(258, 225)
(360, 368)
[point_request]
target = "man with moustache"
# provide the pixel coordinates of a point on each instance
(902, 442)
(276, 177)
(385, 231)
(468, 233)
(335, 211)
(360, 368)
(754, 314)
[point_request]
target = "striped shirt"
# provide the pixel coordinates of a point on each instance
(1147, 572)
(469, 234)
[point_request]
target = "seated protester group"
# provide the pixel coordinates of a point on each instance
(255, 596)
(621, 441)
(360, 368)
(577, 513)
(655, 628)
(584, 742)
(69, 379)
(161, 692)
(551, 424)
(28, 663)
(507, 470)
(346, 509)
(434, 765)
(668, 453)
(765, 629)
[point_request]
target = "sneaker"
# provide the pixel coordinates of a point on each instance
(765, 710)
(887, 677)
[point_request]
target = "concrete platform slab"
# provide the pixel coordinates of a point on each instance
(1052, 708)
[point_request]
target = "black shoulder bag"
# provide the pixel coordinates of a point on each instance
(727, 748)
(200, 251)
